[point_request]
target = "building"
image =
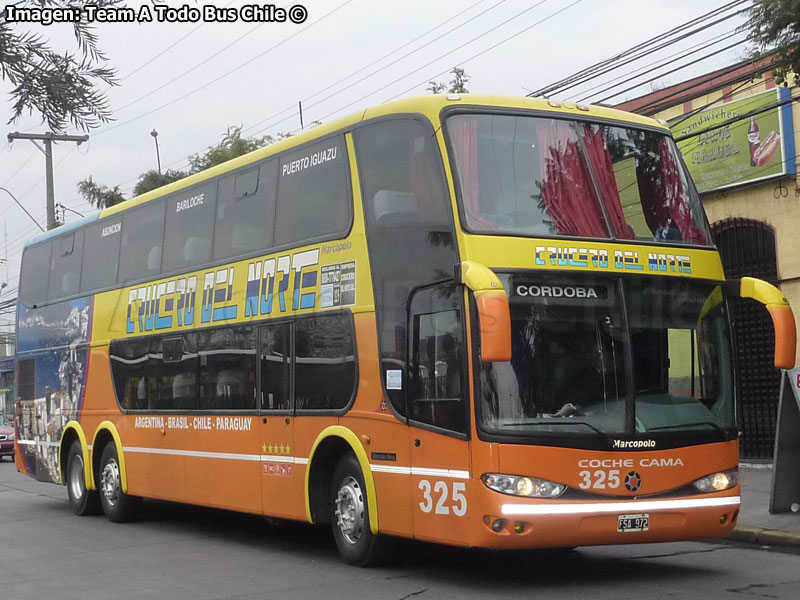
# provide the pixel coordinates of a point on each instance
(738, 133)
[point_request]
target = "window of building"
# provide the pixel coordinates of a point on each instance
(101, 255)
(325, 368)
(246, 211)
(142, 242)
(65, 266)
(189, 227)
(313, 193)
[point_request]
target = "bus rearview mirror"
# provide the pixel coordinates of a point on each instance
(782, 318)
(494, 315)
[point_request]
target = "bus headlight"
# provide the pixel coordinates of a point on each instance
(717, 482)
(517, 485)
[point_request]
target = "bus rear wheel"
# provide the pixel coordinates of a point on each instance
(82, 501)
(118, 506)
(356, 543)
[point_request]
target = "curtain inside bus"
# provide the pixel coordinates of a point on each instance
(659, 177)
(567, 189)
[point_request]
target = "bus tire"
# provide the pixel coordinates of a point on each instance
(356, 543)
(82, 501)
(118, 506)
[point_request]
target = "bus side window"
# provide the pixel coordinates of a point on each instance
(314, 199)
(438, 362)
(227, 368)
(274, 363)
(65, 266)
(32, 286)
(245, 218)
(142, 240)
(325, 369)
(101, 251)
(406, 205)
(190, 227)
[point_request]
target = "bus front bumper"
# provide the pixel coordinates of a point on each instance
(519, 523)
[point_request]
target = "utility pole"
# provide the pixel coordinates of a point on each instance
(48, 139)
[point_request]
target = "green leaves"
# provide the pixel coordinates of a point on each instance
(775, 28)
(63, 88)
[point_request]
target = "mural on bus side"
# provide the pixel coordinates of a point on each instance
(51, 379)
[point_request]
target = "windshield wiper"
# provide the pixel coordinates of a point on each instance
(556, 421)
(711, 424)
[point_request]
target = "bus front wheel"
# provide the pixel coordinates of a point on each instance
(81, 500)
(118, 506)
(355, 541)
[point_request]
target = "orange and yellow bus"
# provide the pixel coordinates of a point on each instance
(473, 320)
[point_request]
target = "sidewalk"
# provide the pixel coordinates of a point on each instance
(756, 525)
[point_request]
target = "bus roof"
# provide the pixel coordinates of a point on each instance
(430, 105)
(66, 228)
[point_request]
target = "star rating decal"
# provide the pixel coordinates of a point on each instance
(279, 449)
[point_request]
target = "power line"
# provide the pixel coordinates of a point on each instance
(679, 68)
(165, 50)
(224, 75)
(647, 69)
(403, 57)
(341, 108)
(610, 63)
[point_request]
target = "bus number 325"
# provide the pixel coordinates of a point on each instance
(442, 499)
(599, 480)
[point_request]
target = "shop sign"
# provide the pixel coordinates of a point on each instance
(729, 145)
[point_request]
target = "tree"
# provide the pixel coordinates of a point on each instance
(61, 86)
(458, 85)
(775, 27)
(152, 179)
(231, 146)
(100, 196)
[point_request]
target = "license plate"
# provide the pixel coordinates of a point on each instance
(629, 523)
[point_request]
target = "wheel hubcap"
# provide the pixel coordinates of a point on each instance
(76, 484)
(349, 510)
(110, 483)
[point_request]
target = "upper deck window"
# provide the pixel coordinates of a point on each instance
(246, 211)
(33, 284)
(313, 193)
(101, 255)
(189, 227)
(65, 266)
(142, 242)
(535, 176)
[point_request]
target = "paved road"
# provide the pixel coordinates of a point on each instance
(179, 552)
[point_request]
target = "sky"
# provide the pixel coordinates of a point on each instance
(191, 81)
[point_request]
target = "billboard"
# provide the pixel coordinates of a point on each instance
(738, 142)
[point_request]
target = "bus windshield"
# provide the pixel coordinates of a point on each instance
(608, 356)
(538, 176)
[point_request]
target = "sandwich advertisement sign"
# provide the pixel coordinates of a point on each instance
(738, 142)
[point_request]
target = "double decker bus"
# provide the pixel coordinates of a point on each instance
(473, 320)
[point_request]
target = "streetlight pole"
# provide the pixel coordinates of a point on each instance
(154, 133)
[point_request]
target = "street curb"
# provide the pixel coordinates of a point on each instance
(765, 537)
